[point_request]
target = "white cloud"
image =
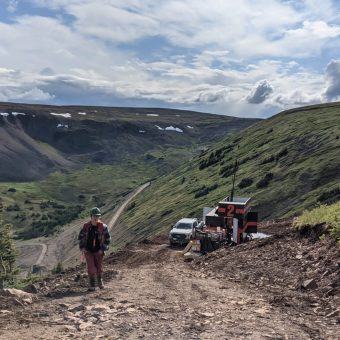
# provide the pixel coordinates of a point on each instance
(333, 80)
(208, 55)
(260, 92)
(297, 98)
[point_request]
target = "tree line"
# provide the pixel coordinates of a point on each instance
(8, 255)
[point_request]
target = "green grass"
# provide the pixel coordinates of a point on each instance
(41, 208)
(304, 147)
(328, 214)
(48, 148)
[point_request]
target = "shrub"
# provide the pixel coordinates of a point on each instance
(330, 196)
(131, 206)
(268, 159)
(166, 212)
(44, 205)
(328, 214)
(248, 158)
(281, 153)
(12, 190)
(214, 157)
(58, 269)
(205, 190)
(8, 254)
(245, 182)
(227, 170)
(13, 207)
(276, 157)
(264, 182)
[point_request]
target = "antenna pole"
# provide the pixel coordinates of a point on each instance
(232, 190)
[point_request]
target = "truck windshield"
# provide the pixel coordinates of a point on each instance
(183, 226)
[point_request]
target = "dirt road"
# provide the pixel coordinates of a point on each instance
(122, 207)
(151, 293)
(63, 247)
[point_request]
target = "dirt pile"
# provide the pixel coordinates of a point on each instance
(297, 269)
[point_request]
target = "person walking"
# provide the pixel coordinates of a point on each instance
(94, 239)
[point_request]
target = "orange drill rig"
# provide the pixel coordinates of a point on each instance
(232, 222)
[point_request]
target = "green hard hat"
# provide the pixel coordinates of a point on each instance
(95, 212)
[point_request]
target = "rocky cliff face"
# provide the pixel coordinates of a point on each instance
(22, 158)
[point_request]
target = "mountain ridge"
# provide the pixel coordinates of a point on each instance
(82, 135)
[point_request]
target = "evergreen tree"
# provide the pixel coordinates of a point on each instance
(8, 254)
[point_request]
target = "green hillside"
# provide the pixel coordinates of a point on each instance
(287, 163)
(58, 161)
(43, 207)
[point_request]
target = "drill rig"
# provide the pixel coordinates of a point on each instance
(230, 223)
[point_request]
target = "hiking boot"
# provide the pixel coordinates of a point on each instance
(100, 282)
(92, 285)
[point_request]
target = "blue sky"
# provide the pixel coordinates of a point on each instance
(247, 58)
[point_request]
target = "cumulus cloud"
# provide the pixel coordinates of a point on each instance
(260, 92)
(298, 98)
(212, 96)
(333, 80)
(206, 55)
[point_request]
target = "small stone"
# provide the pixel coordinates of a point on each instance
(84, 326)
(67, 328)
(261, 311)
(333, 314)
(31, 288)
(64, 305)
(130, 310)
(207, 314)
(100, 308)
(309, 284)
(76, 308)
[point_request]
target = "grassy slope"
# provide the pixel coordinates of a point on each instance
(300, 148)
(101, 185)
(328, 214)
(130, 157)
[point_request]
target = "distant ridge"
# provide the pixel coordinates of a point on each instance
(39, 139)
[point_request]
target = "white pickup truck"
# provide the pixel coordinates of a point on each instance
(183, 231)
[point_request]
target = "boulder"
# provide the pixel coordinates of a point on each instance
(17, 294)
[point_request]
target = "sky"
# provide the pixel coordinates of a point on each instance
(245, 58)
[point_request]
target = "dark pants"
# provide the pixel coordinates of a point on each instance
(94, 263)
